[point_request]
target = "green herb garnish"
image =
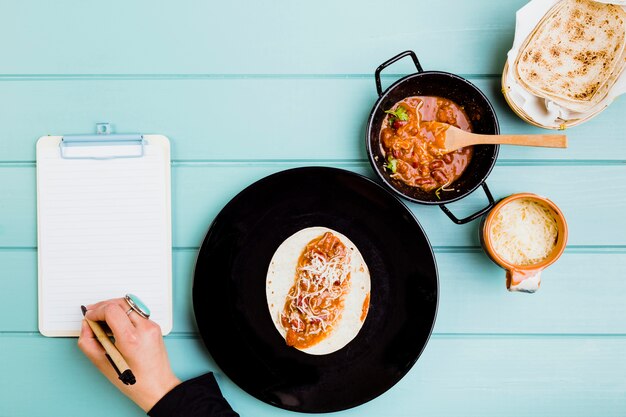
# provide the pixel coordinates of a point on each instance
(399, 113)
(392, 164)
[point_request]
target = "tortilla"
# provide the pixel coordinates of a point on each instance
(281, 276)
(575, 54)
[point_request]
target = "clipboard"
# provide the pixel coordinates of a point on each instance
(103, 225)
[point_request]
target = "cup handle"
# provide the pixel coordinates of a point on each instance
(523, 281)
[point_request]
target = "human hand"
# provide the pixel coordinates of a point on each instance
(140, 341)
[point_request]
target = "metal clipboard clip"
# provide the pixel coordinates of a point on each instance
(102, 145)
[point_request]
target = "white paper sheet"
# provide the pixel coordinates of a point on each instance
(104, 230)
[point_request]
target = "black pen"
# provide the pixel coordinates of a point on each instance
(112, 354)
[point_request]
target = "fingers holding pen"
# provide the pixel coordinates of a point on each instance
(138, 346)
(115, 317)
(89, 345)
(134, 318)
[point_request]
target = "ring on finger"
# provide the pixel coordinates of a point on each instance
(137, 306)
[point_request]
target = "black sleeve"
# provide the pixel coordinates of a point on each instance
(198, 397)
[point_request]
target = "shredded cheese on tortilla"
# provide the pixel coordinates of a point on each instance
(311, 306)
(524, 232)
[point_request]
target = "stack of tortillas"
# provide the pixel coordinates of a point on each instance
(569, 66)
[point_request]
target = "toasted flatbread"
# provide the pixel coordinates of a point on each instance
(281, 276)
(601, 93)
(575, 54)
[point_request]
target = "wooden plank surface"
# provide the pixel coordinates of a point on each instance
(482, 376)
(279, 36)
(285, 118)
(245, 89)
(580, 294)
(200, 190)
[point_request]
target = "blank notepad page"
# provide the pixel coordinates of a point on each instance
(104, 230)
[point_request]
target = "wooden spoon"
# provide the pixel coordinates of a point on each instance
(456, 138)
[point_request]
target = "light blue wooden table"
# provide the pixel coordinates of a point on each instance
(248, 88)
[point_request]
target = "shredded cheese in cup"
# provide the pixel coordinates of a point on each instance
(524, 232)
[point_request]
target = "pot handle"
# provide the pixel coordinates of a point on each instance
(385, 64)
(475, 215)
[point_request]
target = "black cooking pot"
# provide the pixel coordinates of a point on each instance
(463, 93)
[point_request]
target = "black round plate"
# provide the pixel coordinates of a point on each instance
(229, 289)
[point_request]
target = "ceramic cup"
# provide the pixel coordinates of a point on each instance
(524, 278)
